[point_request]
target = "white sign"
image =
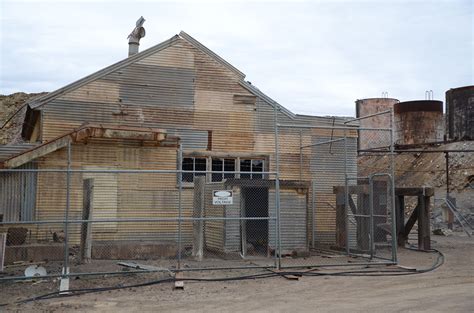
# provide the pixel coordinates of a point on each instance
(222, 197)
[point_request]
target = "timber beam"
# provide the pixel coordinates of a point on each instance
(83, 133)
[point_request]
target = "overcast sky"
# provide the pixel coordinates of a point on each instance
(314, 57)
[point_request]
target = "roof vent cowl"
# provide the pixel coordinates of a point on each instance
(135, 36)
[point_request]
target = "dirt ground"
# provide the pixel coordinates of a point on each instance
(450, 288)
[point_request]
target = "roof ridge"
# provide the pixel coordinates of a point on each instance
(211, 53)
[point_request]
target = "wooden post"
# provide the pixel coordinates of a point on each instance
(400, 216)
(340, 220)
(450, 214)
(3, 246)
(424, 237)
(198, 211)
(363, 222)
(243, 223)
(86, 228)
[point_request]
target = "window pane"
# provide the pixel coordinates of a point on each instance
(187, 166)
(200, 165)
(217, 167)
(229, 166)
(245, 166)
(257, 166)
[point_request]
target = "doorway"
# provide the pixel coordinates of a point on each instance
(255, 232)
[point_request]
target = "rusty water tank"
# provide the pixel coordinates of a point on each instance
(365, 107)
(418, 122)
(460, 113)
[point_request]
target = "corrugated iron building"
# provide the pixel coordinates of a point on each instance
(133, 114)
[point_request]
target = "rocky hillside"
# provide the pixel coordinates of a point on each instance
(12, 114)
(429, 169)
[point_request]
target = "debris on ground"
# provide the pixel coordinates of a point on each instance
(442, 232)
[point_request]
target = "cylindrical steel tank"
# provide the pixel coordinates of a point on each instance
(460, 113)
(365, 107)
(418, 122)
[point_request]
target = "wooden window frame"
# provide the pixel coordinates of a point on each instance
(219, 155)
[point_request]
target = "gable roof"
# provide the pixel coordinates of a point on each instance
(39, 101)
(210, 53)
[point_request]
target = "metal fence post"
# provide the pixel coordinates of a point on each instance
(393, 181)
(180, 188)
(64, 283)
(301, 155)
(277, 191)
(313, 213)
(346, 194)
(371, 217)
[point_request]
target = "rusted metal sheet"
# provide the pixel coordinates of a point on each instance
(181, 87)
(293, 220)
(460, 113)
(7, 151)
(418, 106)
(365, 107)
(83, 134)
(37, 102)
(418, 122)
(328, 169)
(18, 194)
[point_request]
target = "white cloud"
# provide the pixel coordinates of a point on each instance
(313, 57)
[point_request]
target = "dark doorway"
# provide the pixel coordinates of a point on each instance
(255, 232)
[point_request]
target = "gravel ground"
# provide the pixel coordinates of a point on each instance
(450, 288)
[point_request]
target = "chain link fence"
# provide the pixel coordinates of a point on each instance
(350, 209)
(307, 204)
(103, 221)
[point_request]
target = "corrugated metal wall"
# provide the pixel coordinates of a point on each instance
(214, 230)
(7, 151)
(232, 227)
(183, 90)
(191, 139)
(293, 220)
(327, 165)
(18, 194)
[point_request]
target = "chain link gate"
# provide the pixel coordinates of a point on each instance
(349, 210)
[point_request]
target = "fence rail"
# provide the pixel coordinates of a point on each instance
(295, 211)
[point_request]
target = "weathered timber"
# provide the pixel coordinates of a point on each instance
(198, 211)
(86, 228)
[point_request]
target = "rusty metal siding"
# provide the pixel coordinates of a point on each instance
(327, 170)
(7, 151)
(18, 194)
(148, 85)
(214, 230)
(293, 222)
(460, 113)
(327, 163)
(418, 122)
(185, 91)
(191, 139)
(232, 227)
(364, 107)
(39, 101)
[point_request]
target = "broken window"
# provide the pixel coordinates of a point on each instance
(221, 169)
(251, 168)
(191, 166)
